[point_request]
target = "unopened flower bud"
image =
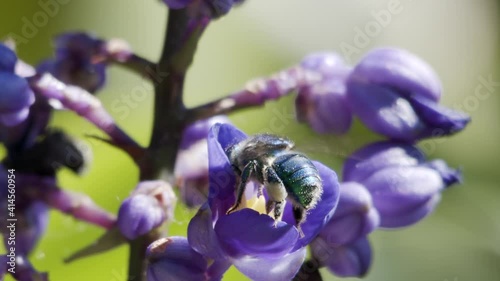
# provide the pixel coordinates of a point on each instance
(149, 205)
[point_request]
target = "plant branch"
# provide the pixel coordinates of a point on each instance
(184, 29)
(256, 93)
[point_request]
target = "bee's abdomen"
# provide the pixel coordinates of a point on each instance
(300, 177)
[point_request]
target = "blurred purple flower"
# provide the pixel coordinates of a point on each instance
(323, 105)
(403, 186)
(73, 63)
(396, 94)
(149, 205)
(16, 96)
(173, 259)
(248, 238)
(220, 7)
(191, 165)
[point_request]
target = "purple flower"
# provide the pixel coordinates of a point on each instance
(351, 260)
(73, 63)
(149, 205)
(249, 239)
(173, 259)
(16, 96)
(354, 218)
(191, 165)
(403, 186)
(8, 59)
(396, 94)
(323, 105)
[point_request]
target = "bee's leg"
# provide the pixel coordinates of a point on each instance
(269, 206)
(299, 214)
(245, 176)
(277, 194)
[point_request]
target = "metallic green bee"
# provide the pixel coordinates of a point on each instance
(270, 160)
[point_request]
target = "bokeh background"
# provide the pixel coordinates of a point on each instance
(460, 241)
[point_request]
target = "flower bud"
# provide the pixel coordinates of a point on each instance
(354, 218)
(323, 105)
(16, 97)
(173, 259)
(151, 204)
(396, 94)
(403, 186)
(73, 63)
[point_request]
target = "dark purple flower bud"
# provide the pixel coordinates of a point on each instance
(16, 97)
(191, 166)
(323, 105)
(396, 94)
(256, 244)
(149, 205)
(354, 218)
(73, 63)
(403, 186)
(351, 260)
(8, 59)
(173, 259)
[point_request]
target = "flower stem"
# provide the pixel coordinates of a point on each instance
(184, 29)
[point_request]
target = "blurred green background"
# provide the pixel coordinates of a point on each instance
(459, 38)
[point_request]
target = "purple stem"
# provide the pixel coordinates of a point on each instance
(83, 103)
(256, 93)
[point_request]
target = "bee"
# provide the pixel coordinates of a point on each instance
(269, 160)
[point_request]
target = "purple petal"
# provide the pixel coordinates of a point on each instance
(324, 106)
(439, 120)
(15, 93)
(138, 215)
(354, 218)
(397, 191)
(351, 260)
(384, 111)
(177, 4)
(374, 157)
(399, 69)
(202, 236)
(221, 175)
(450, 176)
(412, 216)
(173, 259)
(321, 214)
(199, 130)
(280, 269)
(8, 59)
(246, 232)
